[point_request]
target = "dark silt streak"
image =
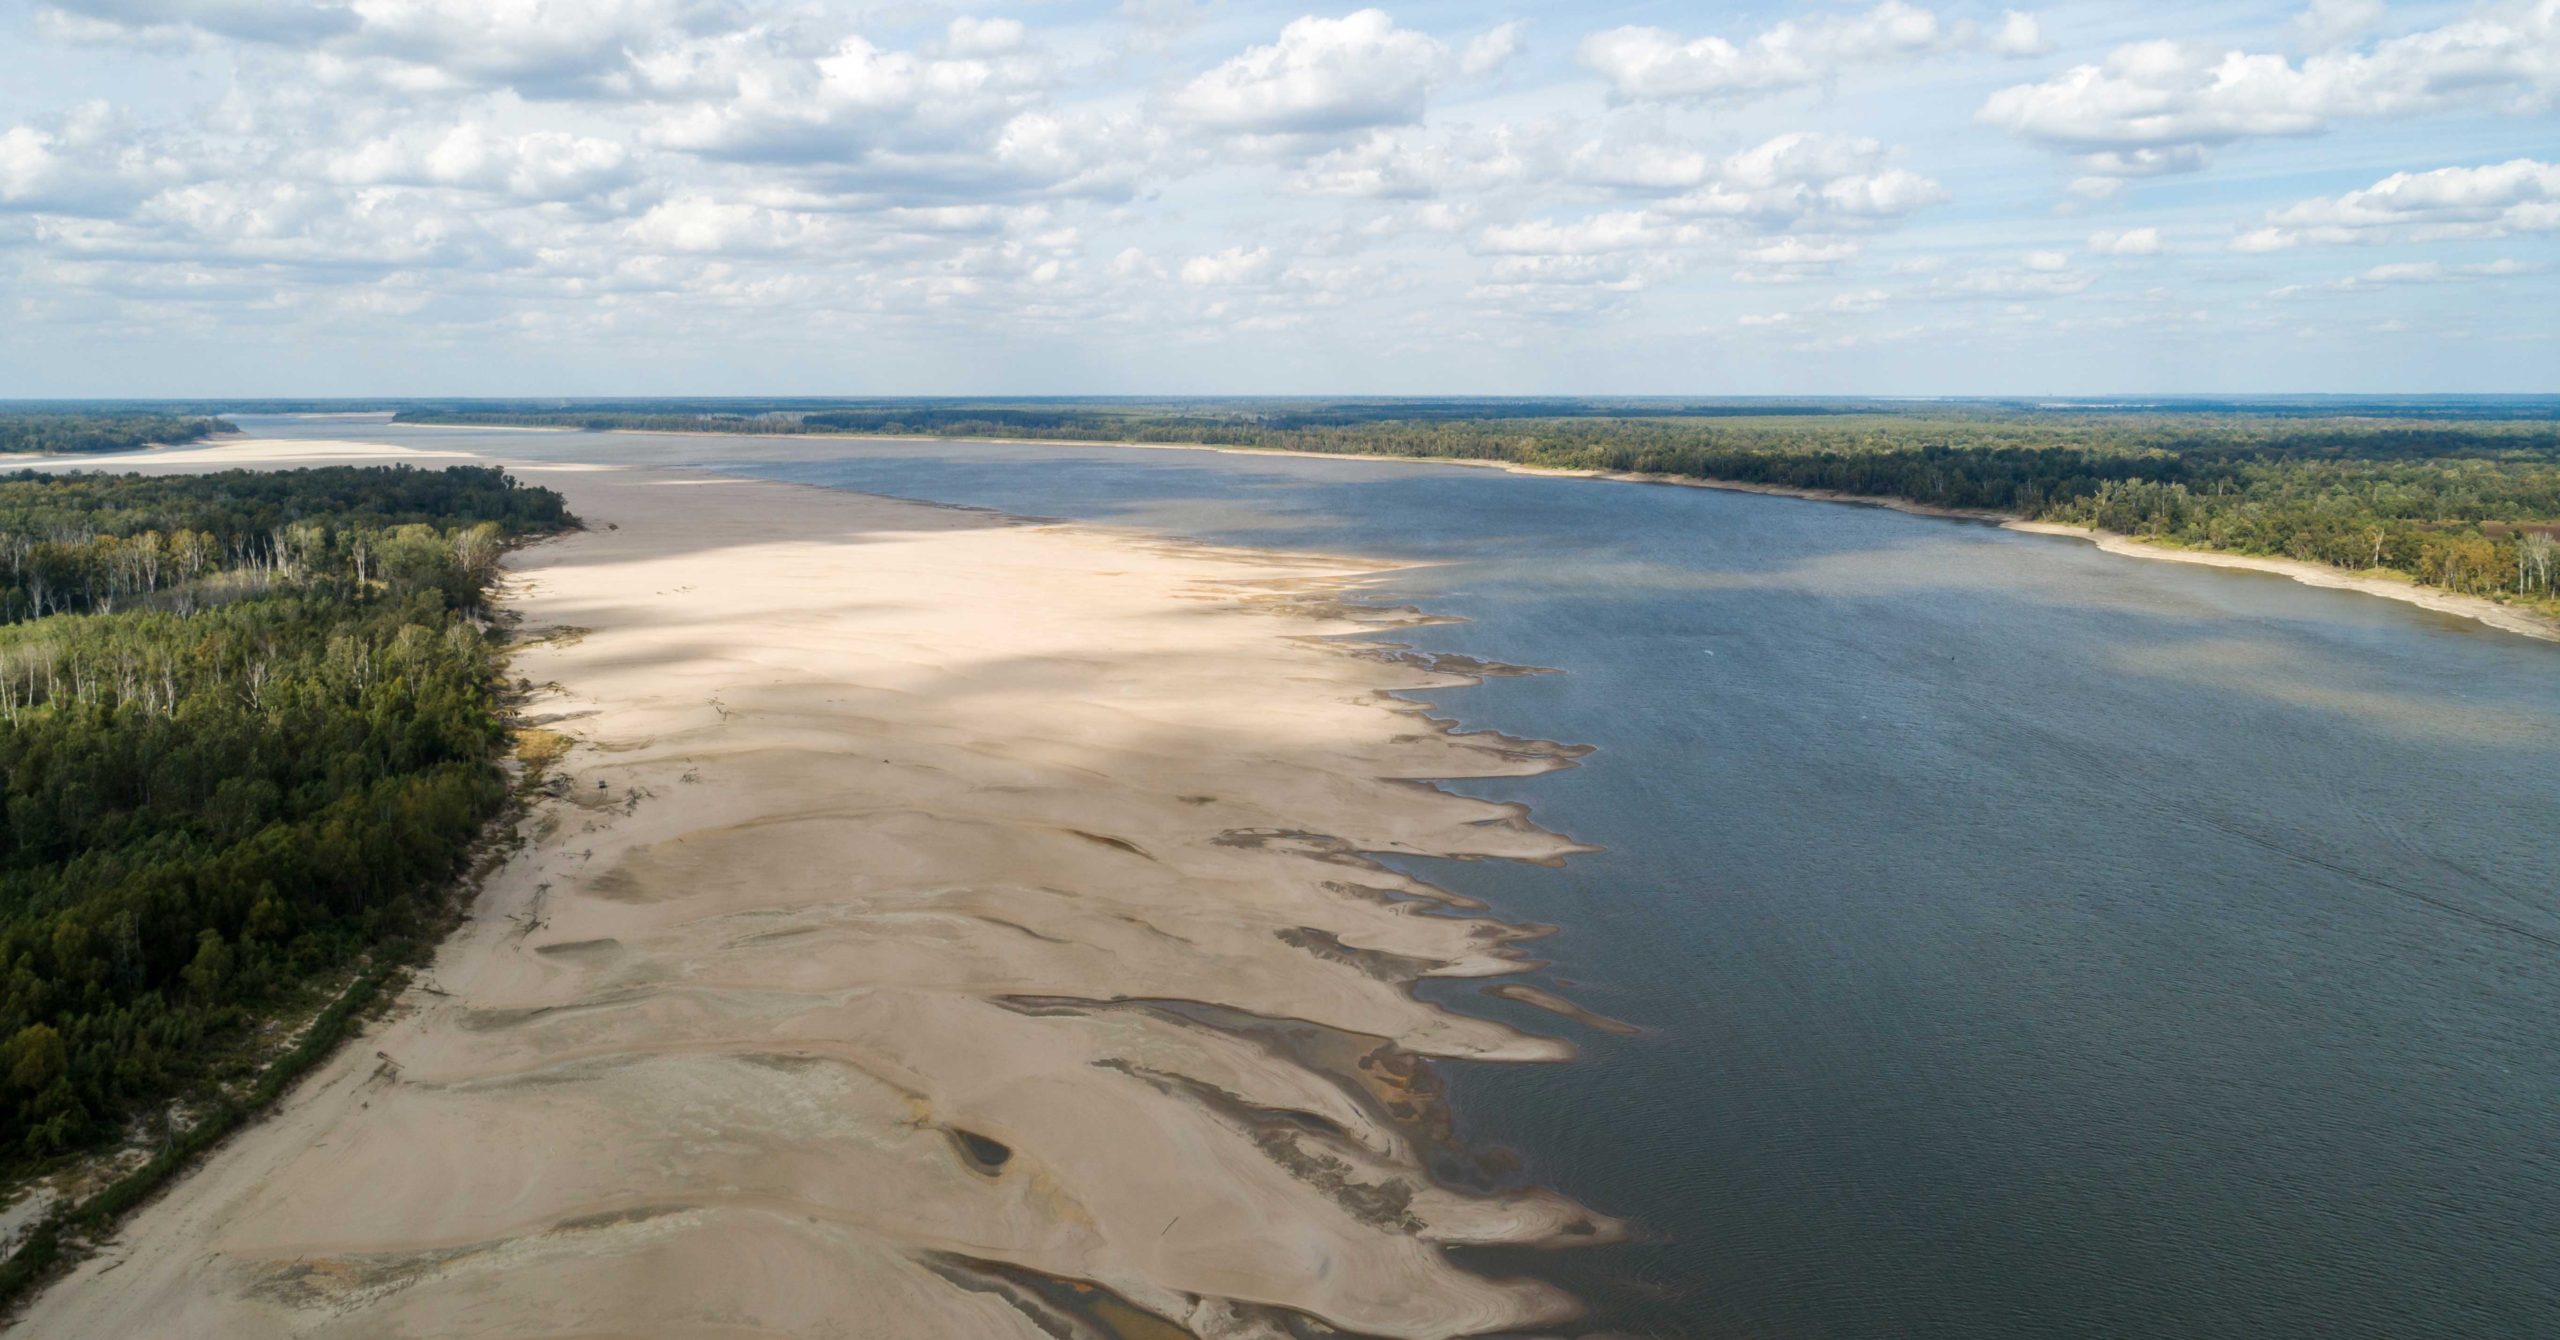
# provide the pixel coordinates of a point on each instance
(2025, 940)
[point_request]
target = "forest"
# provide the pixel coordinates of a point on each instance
(249, 728)
(2460, 494)
(52, 432)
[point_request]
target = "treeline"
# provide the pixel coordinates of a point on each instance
(1087, 412)
(249, 775)
(68, 433)
(2469, 504)
(82, 543)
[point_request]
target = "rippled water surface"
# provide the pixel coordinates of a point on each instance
(2028, 941)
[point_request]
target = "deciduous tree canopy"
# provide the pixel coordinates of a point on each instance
(248, 725)
(54, 434)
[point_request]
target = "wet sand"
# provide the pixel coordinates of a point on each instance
(942, 926)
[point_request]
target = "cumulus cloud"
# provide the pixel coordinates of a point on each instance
(1641, 164)
(1076, 151)
(534, 48)
(544, 165)
(1653, 64)
(537, 167)
(1324, 76)
(2495, 200)
(691, 139)
(2161, 106)
(1573, 267)
(1492, 49)
(1417, 163)
(1572, 285)
(2130, 242)
(1646, 64)
(88, 161)
(1794, 181)
(2019, 35)
(538, 49)
(2435, 272)
(1791, 260)
(750, 98)
(2327, 24)
(1791, 182)
(1235, 265)
(1620, 231)
(246, 20)
(1855, 302)
(2404, 273)
(1804, 179)
(969, 36)
(700, 224)
(297, 226)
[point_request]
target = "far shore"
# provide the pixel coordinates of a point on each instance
(2408, 591)
(2496, 614)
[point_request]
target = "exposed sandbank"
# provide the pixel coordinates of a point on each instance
(945, 927)
(2504, 617)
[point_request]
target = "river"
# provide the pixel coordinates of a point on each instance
(2026, 940)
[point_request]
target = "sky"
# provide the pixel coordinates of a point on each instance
(624, 197)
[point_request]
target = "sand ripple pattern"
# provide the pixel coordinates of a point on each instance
(945, 927)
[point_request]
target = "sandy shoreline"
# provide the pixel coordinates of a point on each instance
(945, 926)
(2506, 618)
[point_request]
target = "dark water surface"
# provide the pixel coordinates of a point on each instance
(2028, 941)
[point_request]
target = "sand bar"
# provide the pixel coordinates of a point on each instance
(2504, 617)
(2496, 614)
(944, 926)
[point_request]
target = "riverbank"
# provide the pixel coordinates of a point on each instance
(2496, 614)
(2506, 618)
(943, 921)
